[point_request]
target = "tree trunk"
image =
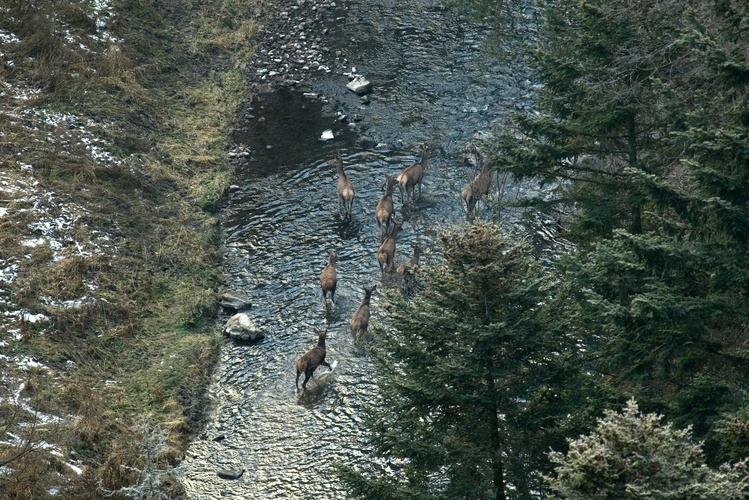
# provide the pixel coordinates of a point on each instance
(494, 436)
(636, 227)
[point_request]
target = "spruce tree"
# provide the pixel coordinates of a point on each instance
(476, 378)
(635, 455)
(662, 275)
(600, 64)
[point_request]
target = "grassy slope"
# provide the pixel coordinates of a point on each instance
(163, 99)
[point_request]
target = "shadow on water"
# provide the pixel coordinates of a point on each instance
(286, 131)
(282, 219)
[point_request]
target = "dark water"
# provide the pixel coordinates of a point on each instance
(433, 84)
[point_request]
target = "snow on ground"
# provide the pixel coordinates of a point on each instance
(35, 216)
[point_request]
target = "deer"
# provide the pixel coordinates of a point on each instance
(412, 264)
(346, 191)
(313, 358)
(412, 176)
(360, 321)
(386, 252)
(328, 278)
(479, 187)
(384, 209)
(407, 270)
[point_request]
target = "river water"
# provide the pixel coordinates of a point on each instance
(434, 84)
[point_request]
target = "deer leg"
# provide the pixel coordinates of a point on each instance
(307, 376)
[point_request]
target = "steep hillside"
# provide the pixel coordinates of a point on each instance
(113, 130)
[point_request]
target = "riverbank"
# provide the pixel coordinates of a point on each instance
(432, 83)
(115, 121)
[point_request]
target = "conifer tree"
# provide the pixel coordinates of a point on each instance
(662, 277)
(600, 64)
(476, 379)
(635, 455)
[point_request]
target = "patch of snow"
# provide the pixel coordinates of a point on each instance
(33, 242)
(9, 273)
(15, 334)
(23, 403)
(74, 468)
(34, 318)
(68, 304)
(26, 363)
(20, 93)
(7, 37)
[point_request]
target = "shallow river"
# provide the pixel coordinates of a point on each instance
(432, 84)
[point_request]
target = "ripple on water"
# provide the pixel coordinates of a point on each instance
(282, 219)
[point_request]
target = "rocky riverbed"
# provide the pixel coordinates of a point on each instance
(432, 82)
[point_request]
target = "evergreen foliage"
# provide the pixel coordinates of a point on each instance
(634, 455)
(602, 64)
(643, 137)
(476, 378)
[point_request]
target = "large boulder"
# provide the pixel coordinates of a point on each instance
(243, 328)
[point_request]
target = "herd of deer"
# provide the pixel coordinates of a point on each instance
(388, 230)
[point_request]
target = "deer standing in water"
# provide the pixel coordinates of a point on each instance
(407, 270)
(346, 191)
(315, 357)
(329, 278)
(412, 264)
(479, 187)
(412, 176)
(360, 322)
(386, 252)
(384, 209)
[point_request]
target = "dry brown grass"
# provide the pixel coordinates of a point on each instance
(145, 342)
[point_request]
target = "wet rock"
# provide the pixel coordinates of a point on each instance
(230, 474)
(367, 142)
(243, 328)
(327, 135)
(232, 301)
(360, 85)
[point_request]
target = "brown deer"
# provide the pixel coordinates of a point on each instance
(346, 191)
(407, 271)
(386, 252)
(329, 278)
(411, 265)
(315, 357)
(479, 187)
(384, 209)
(412, 176)
(360, 322)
